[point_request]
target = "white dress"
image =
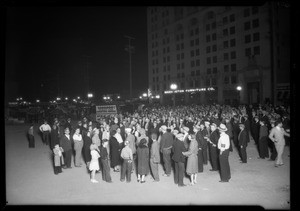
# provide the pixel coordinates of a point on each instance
(94, 164)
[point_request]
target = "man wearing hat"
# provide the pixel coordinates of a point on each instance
(179, 159)
(200, 140)
(213, 149)
(255, 125)
(204, 133)
(223, 146)
(126, 169)
(131, 139)
(263, 141)
(166, 143)
(243, 141)
(186, 141)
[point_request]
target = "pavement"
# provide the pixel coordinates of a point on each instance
(30, 180)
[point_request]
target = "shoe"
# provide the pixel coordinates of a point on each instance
(213, 170)
(138, 180)
(281, 164)
(122, 180)
(155, 180)
(109, 182)
(166, 175)
(195, 182)
(243, 162)
(143, 181)
(182, 185)
(270, 159)
(116, 170)
(276, 166)
(64, 167)
(224, 181)
(94, 181)
(77, 166)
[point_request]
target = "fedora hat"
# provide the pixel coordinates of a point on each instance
(222, 128)
(163, 127)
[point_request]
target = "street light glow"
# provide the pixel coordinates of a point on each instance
(239, 88)
(90, 95)
(144, 94)
(66, 98)
(58, 98)
(37, 101)
(173, 86)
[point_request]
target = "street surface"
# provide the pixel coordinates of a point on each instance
(30, 180)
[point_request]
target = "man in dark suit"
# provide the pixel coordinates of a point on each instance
(200, 140)
(166, 143)
(204, 133)
(255, 129)
(213, 147)
(243, 141)
(66, 144)
(179, 159)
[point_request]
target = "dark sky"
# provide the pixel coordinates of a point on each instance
(46, 43)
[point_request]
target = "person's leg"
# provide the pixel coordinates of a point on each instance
(176, 175)
(279, 149)
(167, 160)
(154, 169)
(195, 178)
(204, 153)
(123, 171)
(200, 161)
(68, 158)
(181, 173)
(265, 150)
(143, 178)
(129, 168)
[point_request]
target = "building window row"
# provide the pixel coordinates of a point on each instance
(230, 79)
(255, 37)
(255, 24)
(232, 67)
(194, 31)
(256, 51)
(254, 10)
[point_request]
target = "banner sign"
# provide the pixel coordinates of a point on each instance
(105, 110)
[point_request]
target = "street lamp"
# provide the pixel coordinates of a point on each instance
(37, 101)
(144, 95)
(173, 87)
(239, 88)
(89, 95)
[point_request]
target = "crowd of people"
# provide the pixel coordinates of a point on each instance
(182, 138)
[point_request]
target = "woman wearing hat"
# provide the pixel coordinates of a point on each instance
(223, 146)
(142, 160)
(192, 161)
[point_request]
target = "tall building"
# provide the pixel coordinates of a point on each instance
(210, 51)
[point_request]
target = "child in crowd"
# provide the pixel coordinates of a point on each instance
(58, 159)
(94, 164)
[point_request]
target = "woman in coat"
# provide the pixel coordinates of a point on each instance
(143, 160)
(54, 139)
(115, 152)
(87, 141)
(192, 161)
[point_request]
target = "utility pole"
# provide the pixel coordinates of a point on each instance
(130, 50)
(86, 71)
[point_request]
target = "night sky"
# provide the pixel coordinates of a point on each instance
(44, 44)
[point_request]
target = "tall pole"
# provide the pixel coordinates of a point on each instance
(130, 50)
(87, 79)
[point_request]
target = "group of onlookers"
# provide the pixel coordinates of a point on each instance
(184, 138)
